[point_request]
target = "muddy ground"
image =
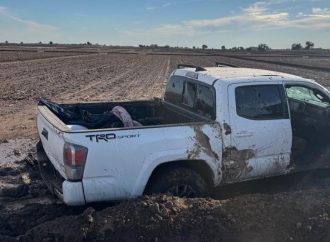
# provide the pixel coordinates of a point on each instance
(291, 208)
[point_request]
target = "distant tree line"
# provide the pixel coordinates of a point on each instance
(298, 46)
(39, 43)
(264, 47)
(261, 47)
(163, 46)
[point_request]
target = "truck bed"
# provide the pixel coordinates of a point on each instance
(169, 133)
(96, 115)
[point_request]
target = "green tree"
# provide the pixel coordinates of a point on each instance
(263, 47)
(296, 46)
(204, 47)
(309, 45)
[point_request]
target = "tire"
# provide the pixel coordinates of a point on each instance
(178, 181)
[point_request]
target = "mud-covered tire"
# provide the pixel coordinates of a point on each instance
(178, 181)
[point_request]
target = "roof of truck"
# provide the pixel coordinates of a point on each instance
(212, 74)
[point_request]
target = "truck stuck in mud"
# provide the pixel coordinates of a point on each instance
(214, 126)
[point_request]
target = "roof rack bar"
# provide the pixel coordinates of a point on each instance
(198, 68)
(222, 64)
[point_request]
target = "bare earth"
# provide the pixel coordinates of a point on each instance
(292, 208)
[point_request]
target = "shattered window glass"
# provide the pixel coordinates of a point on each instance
(260, 102)
(307, 95)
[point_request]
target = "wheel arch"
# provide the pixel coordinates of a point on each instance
(199, 166)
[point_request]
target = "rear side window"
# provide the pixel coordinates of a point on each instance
(189, 94)
(261, 102)
(205, 101)
(174, 90)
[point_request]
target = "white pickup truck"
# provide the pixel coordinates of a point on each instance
(214, 126)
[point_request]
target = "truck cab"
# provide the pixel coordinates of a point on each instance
(273, 123)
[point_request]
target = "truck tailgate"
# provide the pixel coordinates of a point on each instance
(51, 139)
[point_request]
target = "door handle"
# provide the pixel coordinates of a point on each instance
(244, 134)
(45, 133)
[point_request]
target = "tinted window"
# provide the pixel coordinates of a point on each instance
(174, 90)
(189, 94)
(260, 102)
(307, 95)
(205, 101)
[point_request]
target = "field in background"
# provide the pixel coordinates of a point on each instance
(79, 74)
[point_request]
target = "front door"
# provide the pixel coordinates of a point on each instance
(310, 120)
(261, 135)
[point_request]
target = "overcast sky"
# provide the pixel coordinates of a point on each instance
(278, 23)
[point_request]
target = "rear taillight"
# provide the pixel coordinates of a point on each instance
(74, 157)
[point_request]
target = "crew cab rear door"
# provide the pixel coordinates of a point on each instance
(261, 135)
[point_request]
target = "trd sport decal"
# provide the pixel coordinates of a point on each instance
(110, 136)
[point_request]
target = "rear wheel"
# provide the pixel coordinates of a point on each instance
(178, 181)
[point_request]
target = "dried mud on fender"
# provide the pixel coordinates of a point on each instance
(201, 143)
(235, 163)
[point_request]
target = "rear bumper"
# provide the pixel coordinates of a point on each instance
(71, 193)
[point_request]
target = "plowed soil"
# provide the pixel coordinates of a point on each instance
(290, 208)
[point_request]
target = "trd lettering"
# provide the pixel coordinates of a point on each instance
(98, 137)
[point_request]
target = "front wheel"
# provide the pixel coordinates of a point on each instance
(178, 181)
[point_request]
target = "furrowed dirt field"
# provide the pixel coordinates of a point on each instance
(292, 208)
